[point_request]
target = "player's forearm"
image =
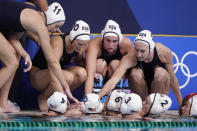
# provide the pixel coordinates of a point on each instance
(18, 47)
(176, 90)
(110, 85)
(43, 4)
(52, 61)
(57, 71)
(56, 85)
(89, 84)
(178, 97)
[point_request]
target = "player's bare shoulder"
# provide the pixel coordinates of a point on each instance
(126, 42)
(125, 45)
(95, 41)
(94, 46)
(164, 53)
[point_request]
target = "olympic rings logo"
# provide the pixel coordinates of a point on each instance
(187, 73)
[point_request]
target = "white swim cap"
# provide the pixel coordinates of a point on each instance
(131, 103)
(57, 102)
(112, 29)
(92, 101)
(80, 30)
(54, 14)
(160, 103)
(145, 36)
(115, 100)
(193, 107)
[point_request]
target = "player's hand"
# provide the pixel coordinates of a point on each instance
(97, 76)
(70, 96)
(28, 63)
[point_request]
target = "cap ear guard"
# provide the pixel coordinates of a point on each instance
(112, 29)
(80, 30)
(57, 102)
(54, 14)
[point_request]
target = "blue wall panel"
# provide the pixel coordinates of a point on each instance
(166, 16)
(177, 17)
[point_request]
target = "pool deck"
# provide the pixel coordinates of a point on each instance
(171, 115)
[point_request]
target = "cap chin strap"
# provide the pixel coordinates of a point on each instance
(109, 97)
(191, 106)
(56, 112)
(56, 22)
(77, 36)
(152, 103)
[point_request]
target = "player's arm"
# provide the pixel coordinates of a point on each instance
(127, 61)
(125, 46)
(57, 49)
(57, 46)
(55, 43)
(173, 79)
(14, 39)
(42, 4)
(90, 58)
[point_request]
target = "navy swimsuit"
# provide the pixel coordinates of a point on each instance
(108, 58)
(148, 68)
(40, 62)
(10, 15)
